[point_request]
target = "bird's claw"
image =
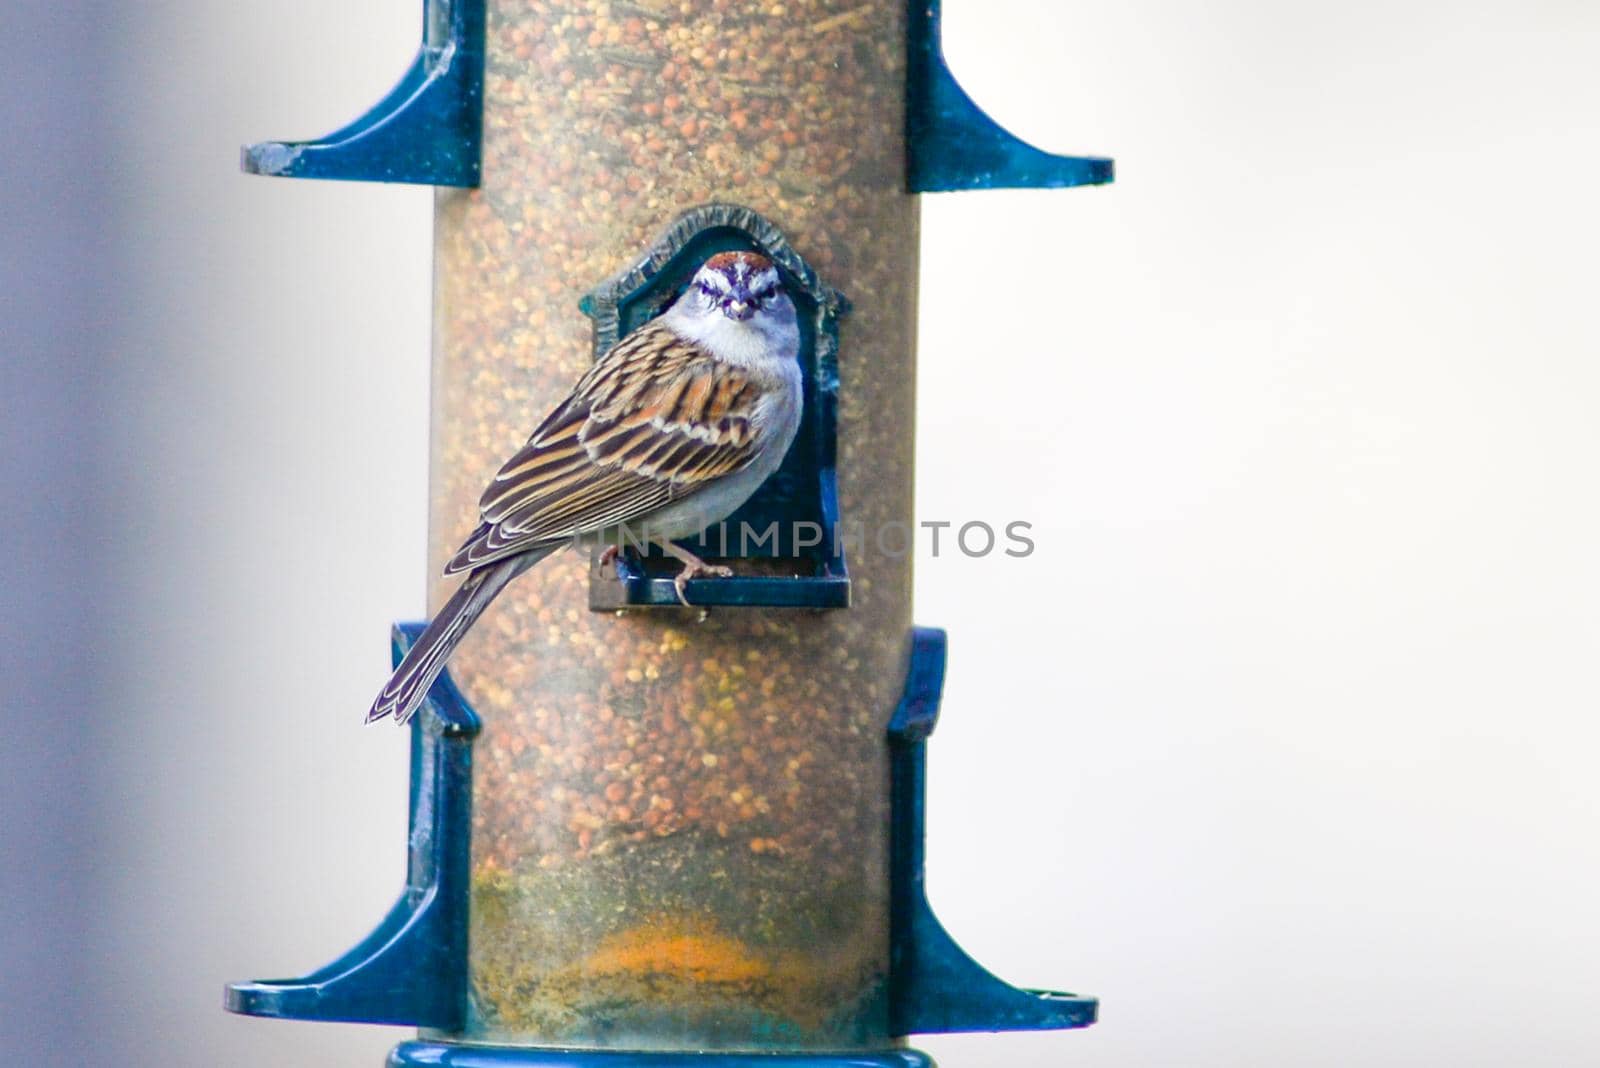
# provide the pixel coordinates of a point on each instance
(696, 570)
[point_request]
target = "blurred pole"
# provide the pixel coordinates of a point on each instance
(53, 266)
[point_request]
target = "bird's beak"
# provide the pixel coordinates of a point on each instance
(739, 309)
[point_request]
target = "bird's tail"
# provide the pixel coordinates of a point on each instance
(426, 659)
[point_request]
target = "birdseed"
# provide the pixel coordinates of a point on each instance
(680, 825)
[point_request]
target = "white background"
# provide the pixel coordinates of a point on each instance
(1283, 743)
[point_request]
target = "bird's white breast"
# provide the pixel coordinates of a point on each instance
(767, 349)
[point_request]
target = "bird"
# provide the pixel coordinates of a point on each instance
(670, 431)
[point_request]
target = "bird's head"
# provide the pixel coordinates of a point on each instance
(737, 284)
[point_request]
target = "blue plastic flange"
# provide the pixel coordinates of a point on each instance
(952, 144)
(934, 986)
(428, 130)
(412, 969)
(447, 1055)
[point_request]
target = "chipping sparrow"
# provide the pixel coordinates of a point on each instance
(670, 431)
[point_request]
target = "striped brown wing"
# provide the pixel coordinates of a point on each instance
(653, 421)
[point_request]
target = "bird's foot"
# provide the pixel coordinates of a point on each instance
(609, 553)
(693, 567)
(696, 569)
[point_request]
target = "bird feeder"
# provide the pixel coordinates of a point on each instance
(642, 834)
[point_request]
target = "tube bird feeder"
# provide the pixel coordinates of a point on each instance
(644, 835)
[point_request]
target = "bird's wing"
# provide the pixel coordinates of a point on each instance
(655, 420)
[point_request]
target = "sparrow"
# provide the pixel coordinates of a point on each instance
(670, 431)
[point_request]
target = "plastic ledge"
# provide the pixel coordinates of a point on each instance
(631, 585)
(952, 144)
(427, 130)
(448, 1055)
(935, 987)
(412, 969)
